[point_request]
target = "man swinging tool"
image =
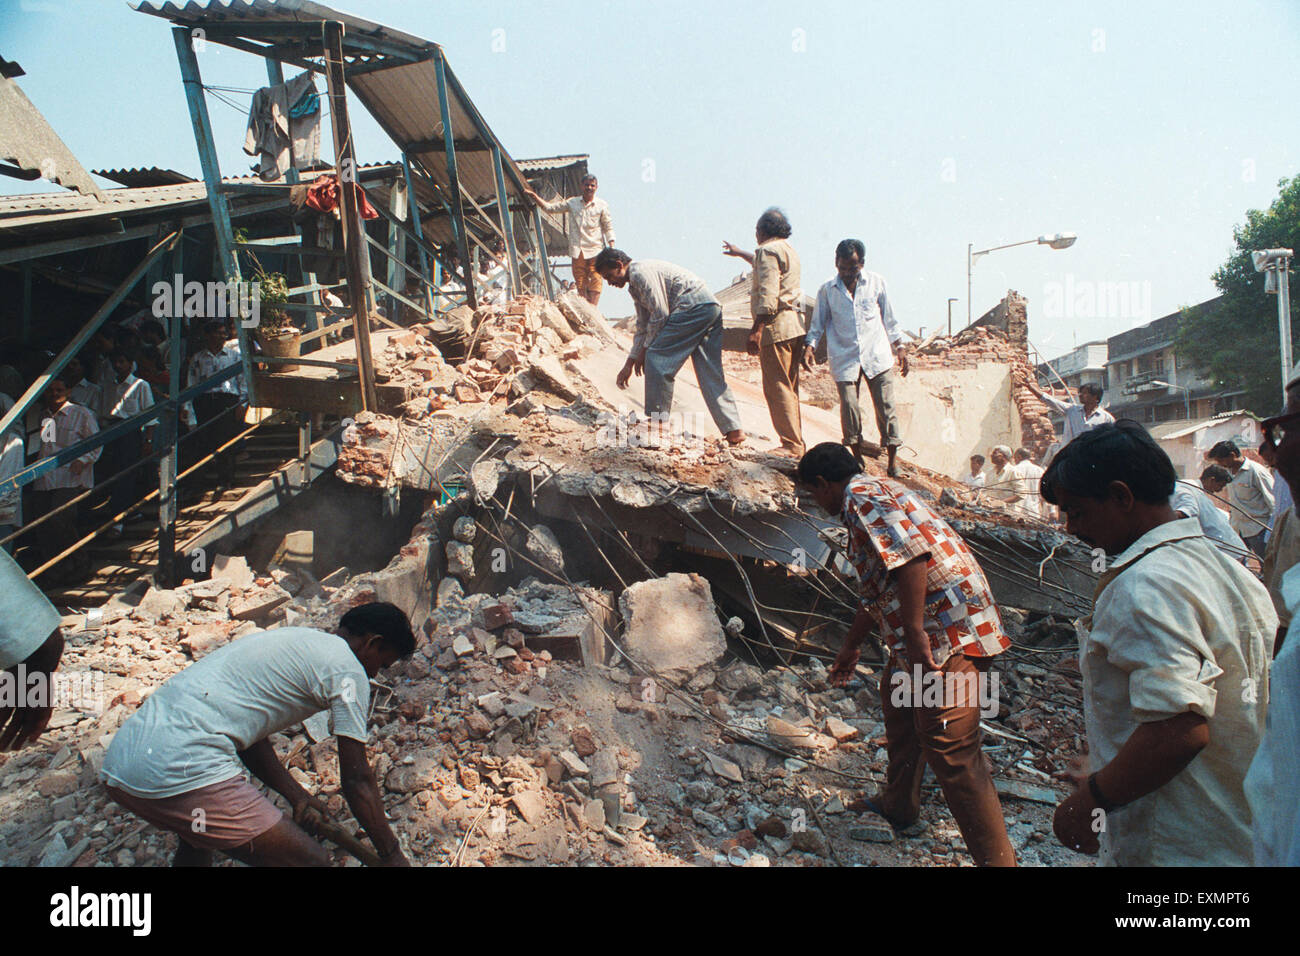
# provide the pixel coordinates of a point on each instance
(182, 761)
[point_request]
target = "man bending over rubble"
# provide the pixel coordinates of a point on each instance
(677, 318)
(1174, 662)
(938, 617)
(182, 761)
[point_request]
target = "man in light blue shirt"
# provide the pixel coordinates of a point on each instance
(862, 341)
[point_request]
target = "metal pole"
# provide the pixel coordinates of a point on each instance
(206, 146)
(543, 254)
(458, 204)
(345, 168)
(950, 302)
(169, 435)
(414, 206)
(507, 225)
(969, 247)
(1284, 319)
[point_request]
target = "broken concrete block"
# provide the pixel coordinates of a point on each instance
(530, 805)
(872, 833)
(233, 569)
(550, 375)
(840, 730)
(462, 645)
(493, 704)
(544, 548)
(297, 549)
(808, 841)
(786, 734)
(57, 783)
(158, 604)
(671, 626)
(573, 763)
(450, 591)
(460, 559)
(464, 529)
(604, 767)
(258, 605)
(724, 768)
(594, 814)
(200, 640)
(477, 725)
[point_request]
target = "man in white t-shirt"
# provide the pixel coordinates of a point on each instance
(1028, 474)
(182, 761)
(31, 645)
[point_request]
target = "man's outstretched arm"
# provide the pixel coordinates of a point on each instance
(362, 794)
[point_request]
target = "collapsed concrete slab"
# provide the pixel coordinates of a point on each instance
(670, 625)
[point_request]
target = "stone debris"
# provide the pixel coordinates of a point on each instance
(671, 625)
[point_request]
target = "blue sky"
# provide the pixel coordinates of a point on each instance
(917, 127)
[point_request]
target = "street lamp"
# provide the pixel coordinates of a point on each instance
(1187, 397)
(1276, 266)
(1062, 240)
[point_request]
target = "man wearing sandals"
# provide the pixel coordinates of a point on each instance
(937, 615)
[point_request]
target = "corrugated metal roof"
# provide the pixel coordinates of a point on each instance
(28, 142)
(252, 12)
(142, 176)
(551, 162)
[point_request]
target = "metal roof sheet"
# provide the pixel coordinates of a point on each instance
(30, 143)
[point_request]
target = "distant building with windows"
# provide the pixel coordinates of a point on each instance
(1085, 364)
(1148, 381)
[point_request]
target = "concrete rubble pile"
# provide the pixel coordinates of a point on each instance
(520, 733)
(546, 719)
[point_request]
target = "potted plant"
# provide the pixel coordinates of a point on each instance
(277, 335)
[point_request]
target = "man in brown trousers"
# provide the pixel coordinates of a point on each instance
(777, 334)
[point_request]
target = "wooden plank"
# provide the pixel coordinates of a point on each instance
(358, 257)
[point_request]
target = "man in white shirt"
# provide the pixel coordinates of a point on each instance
(1250, 493)
(221, 404)
(1174, 661)
(862, 342)
(31, 645)
(182, 761)
(1190, 501)
(1000, 483)
(128, 397)
(591, 229)
(975, 478)
(63, 425)
(1271, 783)
(1028, 472)
(85, 392)
(1084, 416)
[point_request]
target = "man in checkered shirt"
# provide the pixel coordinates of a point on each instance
(936, 613)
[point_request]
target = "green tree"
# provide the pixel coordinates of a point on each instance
(1236, 345)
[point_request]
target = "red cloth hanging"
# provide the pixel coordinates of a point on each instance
(323, 194)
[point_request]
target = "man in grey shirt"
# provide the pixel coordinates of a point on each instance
(677, 318)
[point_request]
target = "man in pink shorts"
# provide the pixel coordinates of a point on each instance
(183, 760)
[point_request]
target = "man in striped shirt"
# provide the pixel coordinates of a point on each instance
(937, 616)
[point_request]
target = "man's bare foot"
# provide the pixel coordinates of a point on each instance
(736, 437)
(892, 469)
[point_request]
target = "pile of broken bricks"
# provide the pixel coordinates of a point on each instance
(508, 738)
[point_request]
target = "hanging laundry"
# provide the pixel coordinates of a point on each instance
(284, 127)
(323, 194)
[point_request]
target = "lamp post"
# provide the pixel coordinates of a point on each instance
(1062, 240)
(950, 302)
(1276, 266)
(1187, 397)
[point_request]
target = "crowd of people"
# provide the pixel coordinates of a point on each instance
(117, 377)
